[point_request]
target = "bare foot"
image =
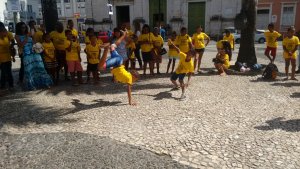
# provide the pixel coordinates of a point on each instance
(132, 103)
(293, 78)
(223, 74)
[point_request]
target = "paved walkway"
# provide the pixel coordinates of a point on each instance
(236, 121)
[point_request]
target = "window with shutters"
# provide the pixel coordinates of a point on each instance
(287, 16)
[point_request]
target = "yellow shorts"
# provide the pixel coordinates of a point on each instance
(287, 56)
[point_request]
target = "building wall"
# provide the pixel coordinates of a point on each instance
(276, 12)
(175, 9)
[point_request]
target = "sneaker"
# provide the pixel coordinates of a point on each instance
(298, 71)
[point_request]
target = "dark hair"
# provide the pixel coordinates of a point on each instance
(200, 26)
(183, 29)
(70, 20)
(2, 24)
(89, 30)
(31, 22)
(174, 33)
(271, 25)
(226, 46)
(2, 29)
(117, 30)
(45, 35)
(19, 28)
(227, 31)
(68, 31)
(146, 26)
(291, 28)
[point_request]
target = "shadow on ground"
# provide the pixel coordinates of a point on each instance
(162, 95)
(296, 95)
(280, 123)
(21, 111)
(76, 150)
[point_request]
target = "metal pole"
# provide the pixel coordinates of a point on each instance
(92, 13)
(110, 25)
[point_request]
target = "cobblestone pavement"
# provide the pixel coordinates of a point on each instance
(237, 121)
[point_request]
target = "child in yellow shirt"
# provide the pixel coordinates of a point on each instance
(119, 72)
(158, 43)
(200, 41)
(93, 51)
(271, 38)
(58, 38)
(146, 42)
(290, 46)
(131, 55)
(49, 56)
(73, 58)
(173, 54)
(221, 61)
(185, 67)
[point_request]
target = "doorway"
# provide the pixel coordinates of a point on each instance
(122, 14)
(196, 16)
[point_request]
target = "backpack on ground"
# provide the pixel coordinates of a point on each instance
(270, 72)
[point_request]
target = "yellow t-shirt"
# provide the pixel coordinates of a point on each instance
(198, 39)
(172, 52)
(5, 55)
(121, 75)
(58, 40)
(230, 39)
(38, 36)
(49, 49)
(183, 43)
(271, 38)
(290, 44)
(73, 54)
(183, 66)
(10, 36)
(93, 53)
(132, 47)
(226, 60)
(146, 37)
(158, 41)
(130, 33)
(74, 32)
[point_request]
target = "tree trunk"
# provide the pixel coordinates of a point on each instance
(247, 50)
(50, 15)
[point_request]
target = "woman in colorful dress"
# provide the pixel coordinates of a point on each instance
(35, 75)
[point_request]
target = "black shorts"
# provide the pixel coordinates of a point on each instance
(61, 57)
(92, 67)
(147, 56)
(176, 76)
(200, 50)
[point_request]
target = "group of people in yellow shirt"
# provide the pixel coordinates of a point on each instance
(290, 46)
(62, 49)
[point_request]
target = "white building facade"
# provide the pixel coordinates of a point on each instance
(213, 15)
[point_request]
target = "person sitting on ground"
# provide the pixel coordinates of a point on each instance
(290, 46)
(185, 67)
(118, 69)
(221, 61)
